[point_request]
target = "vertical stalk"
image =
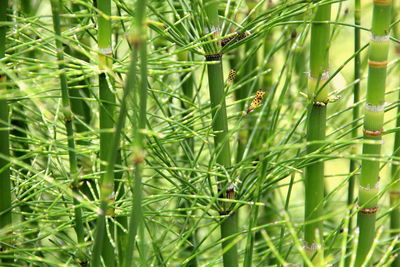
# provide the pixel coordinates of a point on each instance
(106, 96)
(316, 125)
(107, 186)
(395, 171)
(5, 184)
(80, 108)
(107, 104)
(356, 109)
(139, 44)
(221, 137)
(68, 119)
(373, 123)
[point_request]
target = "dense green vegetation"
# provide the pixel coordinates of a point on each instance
(199, 133)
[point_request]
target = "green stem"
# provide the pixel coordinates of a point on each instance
(5, 183)
(395, 172)
(316, 125)
(373, 123)
(68, 119)
(107, 109)
(356, 109)
(107, 186)
(221, 134)
(136, 223)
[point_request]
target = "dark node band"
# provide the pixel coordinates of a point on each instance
(373, 133)
(369, 210)
(225, 212)
(235, 38)
(214, 57)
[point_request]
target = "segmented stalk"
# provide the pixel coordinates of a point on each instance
(373, 123)
(395, 171)
(68, 119)
(316, 125)
(221, 137)
(136, 224)
(107, 108)
(5, 184)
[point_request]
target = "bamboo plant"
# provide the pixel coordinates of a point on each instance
(395, 172)
(107, 106)
(68, 120)
(136, 224)
(316, 125)
(373, 123)
(5, 183)
(220, 127)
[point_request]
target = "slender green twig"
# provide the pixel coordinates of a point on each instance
(356, 109)
(68, 119)
(139, 42)
(5, 183)
(395, 171)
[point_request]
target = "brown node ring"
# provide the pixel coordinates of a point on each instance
(373, 133)
(214, 57)
(377, 64)
(68, 119)
(369, 210)
(383, 2)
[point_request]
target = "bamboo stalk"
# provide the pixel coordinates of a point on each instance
(221, 136)
(395, 172)
(136, 224)
(356, 109)
(107, 187)
(107, 109)
(316, 125)
(373, 123)
(68, 119)
(5, 183)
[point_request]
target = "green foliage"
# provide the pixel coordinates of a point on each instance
(170, 157)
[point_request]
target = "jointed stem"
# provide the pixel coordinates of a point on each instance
(314, 175)
(136, 223)
(373, 123)
(221, 137)
(68, 117)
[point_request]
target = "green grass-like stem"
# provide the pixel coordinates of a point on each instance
(5, 183)
(68, 119)
(356, 110)
(107, 107)
(316, 125)
(221, 137)
(136, 223)
(395, 171)
(373, 123)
